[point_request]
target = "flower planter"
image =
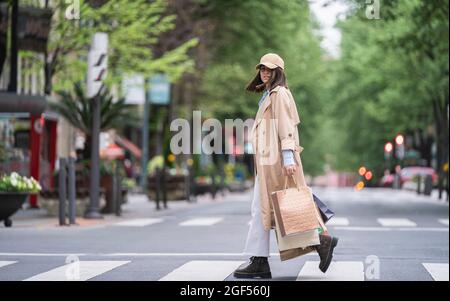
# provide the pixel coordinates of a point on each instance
(10, 203)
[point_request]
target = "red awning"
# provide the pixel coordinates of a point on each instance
(128, 145)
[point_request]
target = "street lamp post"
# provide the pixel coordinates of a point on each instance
(97, 62)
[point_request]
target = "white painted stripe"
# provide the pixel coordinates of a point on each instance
(77, 271)
(140, 222)
(439, 271)
(43, 254)
(135, 254)
(385, 229)
(338, 221)
(5, 263)
(203, 271)
(202, 221)
(338, 271)
(444, 221)
(396, 222)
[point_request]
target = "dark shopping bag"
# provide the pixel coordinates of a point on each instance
(325, 212)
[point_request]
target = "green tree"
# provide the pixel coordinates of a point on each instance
(132, 26)
(244, 31)
(392, 77)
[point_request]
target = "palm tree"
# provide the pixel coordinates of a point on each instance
(77, 109)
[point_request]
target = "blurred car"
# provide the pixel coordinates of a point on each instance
(408, 175)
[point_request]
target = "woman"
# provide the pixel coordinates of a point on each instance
(275, 138)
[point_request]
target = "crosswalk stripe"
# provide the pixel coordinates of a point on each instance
(207, 270)
(78, 271)
(439, 271)
(140, 222)
(5, 263)
(202, 221)
(338, 221)
(396, 222)
(444, 221)
(386, 229)
(338, 271)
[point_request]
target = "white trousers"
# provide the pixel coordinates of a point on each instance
(258, 239)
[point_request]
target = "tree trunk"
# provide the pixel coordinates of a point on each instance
(48, 75)
(442, 135)
(87, 148)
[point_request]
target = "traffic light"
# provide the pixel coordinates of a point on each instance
(97, 64)
(388, 148)
(399, 147)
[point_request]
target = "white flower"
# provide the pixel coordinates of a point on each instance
(14, 182)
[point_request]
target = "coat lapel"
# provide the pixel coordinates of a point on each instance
(266, 103)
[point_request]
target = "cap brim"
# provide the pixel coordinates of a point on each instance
(268, 65)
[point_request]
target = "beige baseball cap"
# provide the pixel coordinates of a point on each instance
(271, 60)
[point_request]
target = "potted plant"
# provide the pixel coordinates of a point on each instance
(14, 190)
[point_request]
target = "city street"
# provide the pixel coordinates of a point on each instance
(384, 235)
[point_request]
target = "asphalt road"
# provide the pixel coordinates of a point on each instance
(384, 235)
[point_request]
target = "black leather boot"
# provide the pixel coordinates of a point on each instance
(325, 250)
(257, 268)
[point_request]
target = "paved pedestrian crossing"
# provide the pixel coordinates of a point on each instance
(77, 271)
(444, 221)
(439, 271)
(396, 222)
(338, 271)
(202, 221)
(341, 223)
(215, 270)
(140, 222)
(5, 263)
(338, 221)
(199, 270)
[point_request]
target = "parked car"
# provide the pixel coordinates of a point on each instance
(408, 174)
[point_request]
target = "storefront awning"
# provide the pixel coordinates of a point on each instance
(16, 103)
(128, 145)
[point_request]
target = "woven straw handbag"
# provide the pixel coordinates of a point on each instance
(295, 209)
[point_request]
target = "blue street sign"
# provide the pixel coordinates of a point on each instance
(159, 89)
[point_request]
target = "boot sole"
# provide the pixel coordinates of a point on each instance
(329, 255)
(267, 275)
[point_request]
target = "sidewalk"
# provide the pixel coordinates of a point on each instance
(137, 207)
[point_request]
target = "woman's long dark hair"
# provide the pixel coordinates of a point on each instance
(278, 78)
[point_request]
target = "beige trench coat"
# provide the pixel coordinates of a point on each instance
(275, 129)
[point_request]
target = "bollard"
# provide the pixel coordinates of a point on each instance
(222, 180)
(117, 200)
(428, 185)
(72, 191)
(187, 185)
(163, 187)
(213, 185)
(419, 184)
(192, 184)
(62, 191)
(115, 182)
(158, 187)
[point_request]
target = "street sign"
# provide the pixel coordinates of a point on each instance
(134, 89)
(159, 89)
(97, 63)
